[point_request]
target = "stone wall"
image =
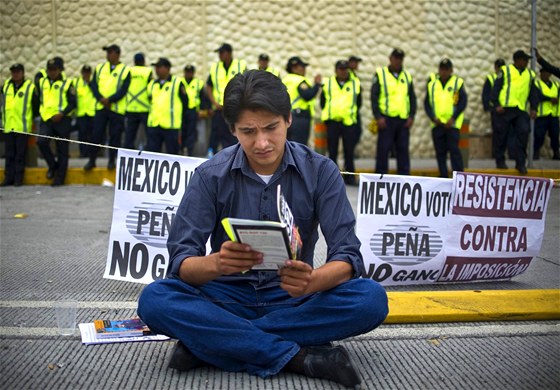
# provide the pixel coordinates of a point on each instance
(472, 33)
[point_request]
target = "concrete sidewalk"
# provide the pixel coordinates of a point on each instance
(58, 251)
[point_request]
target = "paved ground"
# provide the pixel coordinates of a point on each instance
(59, 251)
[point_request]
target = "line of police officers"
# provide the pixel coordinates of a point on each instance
(121, 99)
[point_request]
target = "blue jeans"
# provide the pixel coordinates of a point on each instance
(236, 327)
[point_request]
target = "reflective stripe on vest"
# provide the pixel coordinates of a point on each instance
(53, 97)
(16, 110)
(341, 103)
(443, 100)
(220, 78)
(85, 101)
(547, 108)
(292, 82)
(137, 95)
(109, 82)
(166, 108)
(516, 88)
(393, 94)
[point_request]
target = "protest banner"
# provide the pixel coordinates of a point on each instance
(496, 226)
(401, 222)
(148, 190)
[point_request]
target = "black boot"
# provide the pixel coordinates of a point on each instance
(183, 359)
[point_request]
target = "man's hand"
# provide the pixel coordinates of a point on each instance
(533, 114)
(554, 100)
(449, 123)
(437, 122)
(58, 117)
(409, 123)
(235, 257)
(500, 110)
(295, 277)
(318, 79)
(105, 102)
(539, 57)
(381, 123)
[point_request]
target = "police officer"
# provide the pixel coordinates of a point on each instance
(195, 91)
(85, 108)
(137, 104)
(109, 86)
(264, 64)
(445, 103)
(341, 100)
(487, 103)
(302, 96)
(168, 100)
(20, 105)
(221, 73)
(42, 73)
(393, 103)
(548, 113)
(58, 100)
(512, 90)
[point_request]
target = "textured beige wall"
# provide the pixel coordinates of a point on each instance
(471, 33)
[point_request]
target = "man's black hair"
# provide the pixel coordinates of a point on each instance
(255, 90)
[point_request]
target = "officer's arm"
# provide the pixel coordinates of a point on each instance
(486, 92)
(71, 98)
(35, 103)
(535, 97)
(427, 106)
(412, 97)
(308, 94)
(549, 67)
(359, 100)
(375, 98)
(494, 96)
(122, 90)
(94, 87)
(323, 99)
(184, 97)
(462, 103)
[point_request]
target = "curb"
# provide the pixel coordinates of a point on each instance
(473, 306)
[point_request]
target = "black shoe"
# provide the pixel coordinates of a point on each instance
(6, 183)
(111, 164)
(182, 359)
(331, 363)
(18, 183)
(522, 170)
(57, 183)
(501, 165)
(50, 172)
(556, 157)
(89, 165)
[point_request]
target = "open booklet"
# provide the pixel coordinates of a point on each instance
(277, 241)
(89, 336)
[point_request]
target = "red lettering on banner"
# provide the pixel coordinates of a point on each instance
(500, 196)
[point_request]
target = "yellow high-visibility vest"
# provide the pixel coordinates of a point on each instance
(85, 101)
(53, 97)
(17, 113)
(516, 87)
(166, 108)
(109, 82)
(443, 100)
(547, 108)
(193, 92)
(137, 95)
(274, 71)
(292, 81)
(492, 78)
(393, 93)
(220, 78)
(341, 102)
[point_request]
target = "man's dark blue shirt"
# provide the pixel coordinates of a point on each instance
(226, 186)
